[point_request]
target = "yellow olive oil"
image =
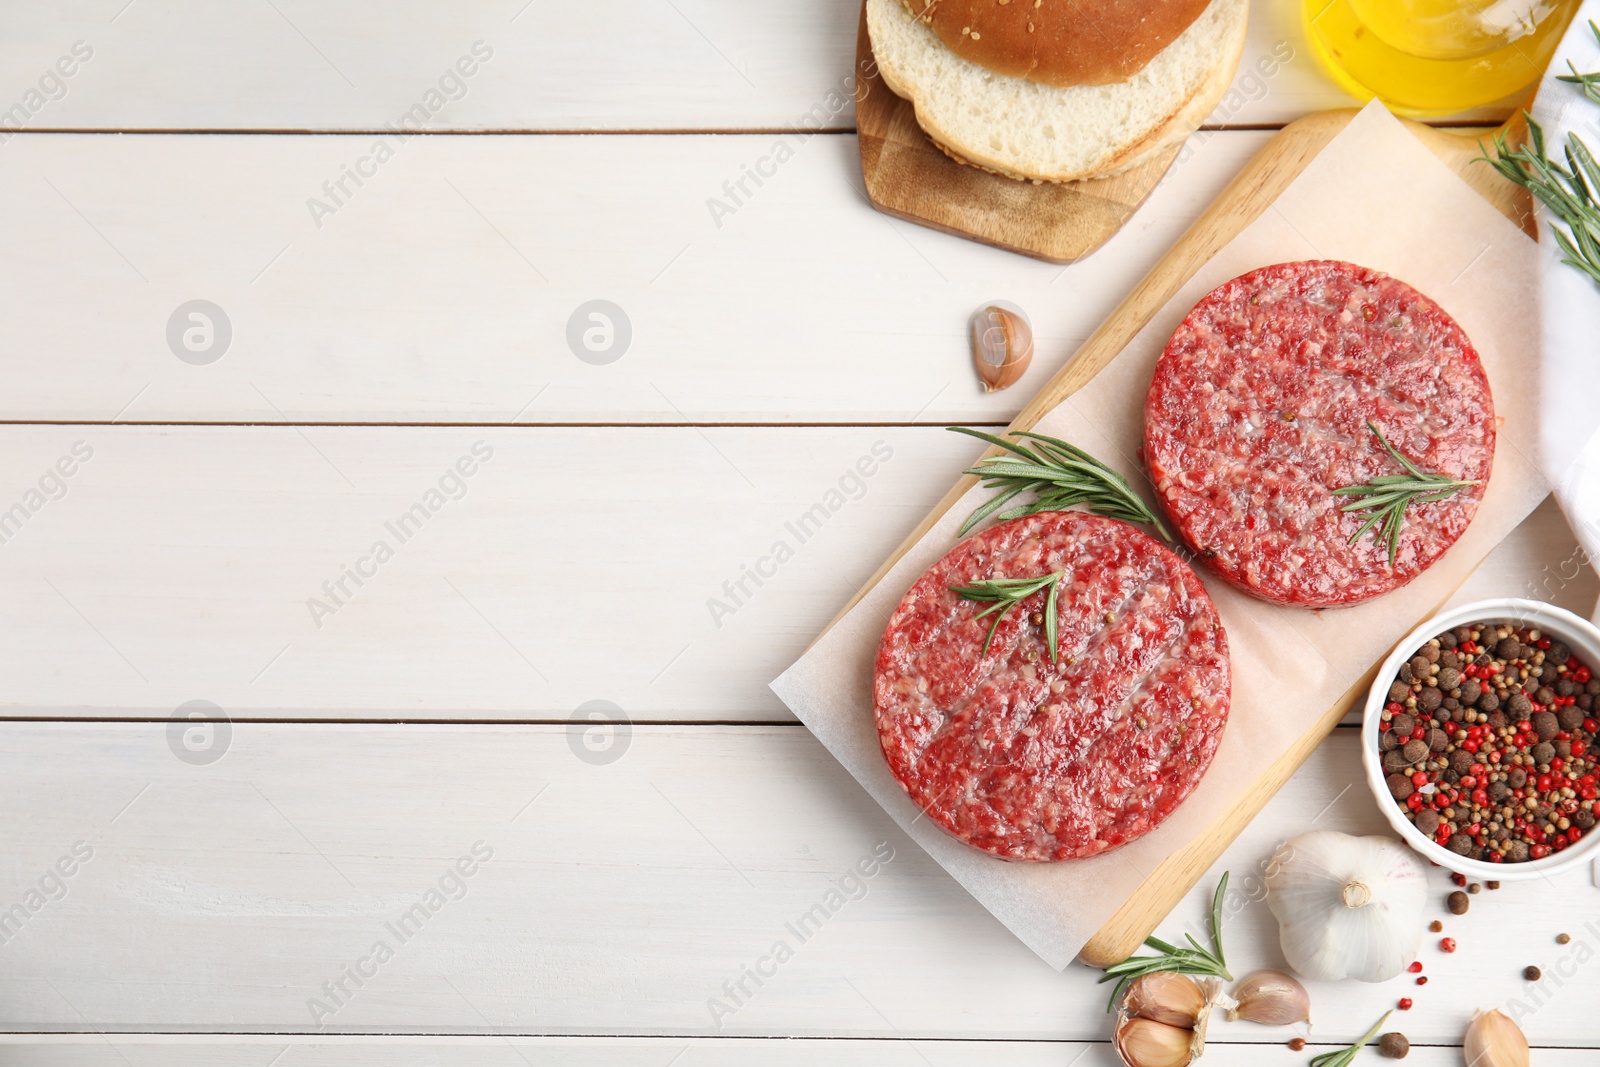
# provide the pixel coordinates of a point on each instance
(1434, 57)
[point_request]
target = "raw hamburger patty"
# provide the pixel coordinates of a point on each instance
(1258, 410)
(1034, 761)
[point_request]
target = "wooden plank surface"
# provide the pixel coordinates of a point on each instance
(178, 562)
(628, 1052)
(606, 899)
(462, 313)
(605, 64)
(574, 564)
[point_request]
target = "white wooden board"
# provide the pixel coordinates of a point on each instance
(611, 64)
(149, 1051)
(616, 898)
(671, 570)
(641, 1052)
(442, 290)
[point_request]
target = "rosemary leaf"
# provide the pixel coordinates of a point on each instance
(1568, 192)
(1194, 961)
(1059, 475)
(1003, 594)
(1345, 1056)
(1385, 498)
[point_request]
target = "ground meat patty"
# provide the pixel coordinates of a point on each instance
(1032, 760)
(1258, 410)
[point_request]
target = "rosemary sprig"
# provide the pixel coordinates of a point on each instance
(1569, 192)
(1386, 497)
(1003, 594)
(1345, 1056)
(1590, 82)
(1193, 960)
(1060, 476)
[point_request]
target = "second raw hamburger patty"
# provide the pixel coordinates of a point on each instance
(1034, 760)
(1259, 408)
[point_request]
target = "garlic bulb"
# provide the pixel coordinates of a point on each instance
(1493, 1040)
(1347, 907)
(1270, 998)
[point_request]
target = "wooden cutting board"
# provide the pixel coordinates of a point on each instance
(907, 176)
(1262, 180)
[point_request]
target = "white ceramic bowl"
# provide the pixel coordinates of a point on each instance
(1552, 621)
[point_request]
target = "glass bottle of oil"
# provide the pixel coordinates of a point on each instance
(1434, 57)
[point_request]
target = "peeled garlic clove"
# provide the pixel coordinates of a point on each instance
(1165, 997)
(1271, 998)
(1002, 344)
(1493, 1040)
(1147, 1043)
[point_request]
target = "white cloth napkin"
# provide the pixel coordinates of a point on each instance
(1571, 318)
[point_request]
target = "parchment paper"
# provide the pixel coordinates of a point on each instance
(1374, 196)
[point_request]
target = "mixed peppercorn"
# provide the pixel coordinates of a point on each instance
(1488, 742)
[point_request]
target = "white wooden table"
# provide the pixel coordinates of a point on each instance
(392, 730)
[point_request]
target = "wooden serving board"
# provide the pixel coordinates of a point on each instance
(1261, 181)
(909, 177)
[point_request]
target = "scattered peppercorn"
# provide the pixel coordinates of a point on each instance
(1423, 980)
(1447, 944)
(1459, 879)
(1532, 974)
(1297, 1044)
(1405, 1004)
(1416, 967)
(1563, 939)
(1436, 926)
(1492, 885)
(1394, 1045)
(1474, 888)
(1458, 903)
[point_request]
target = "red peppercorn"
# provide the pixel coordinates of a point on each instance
(1459, 879)
(1581, 675)
(1414, 801)
(1418, 732)
(1544, 643)
(1419, 778)
(1416, 967)
(1405, 1003)
(1574, 834)
(1447, 944)
(1470, 745)
(1423, 980)
(1592, 725)
(1539, 852)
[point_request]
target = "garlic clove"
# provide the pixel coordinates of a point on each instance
(1271, 998)
(1147, 1043)
(1493, 1040)
(1165, 997)
(1002, 344)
